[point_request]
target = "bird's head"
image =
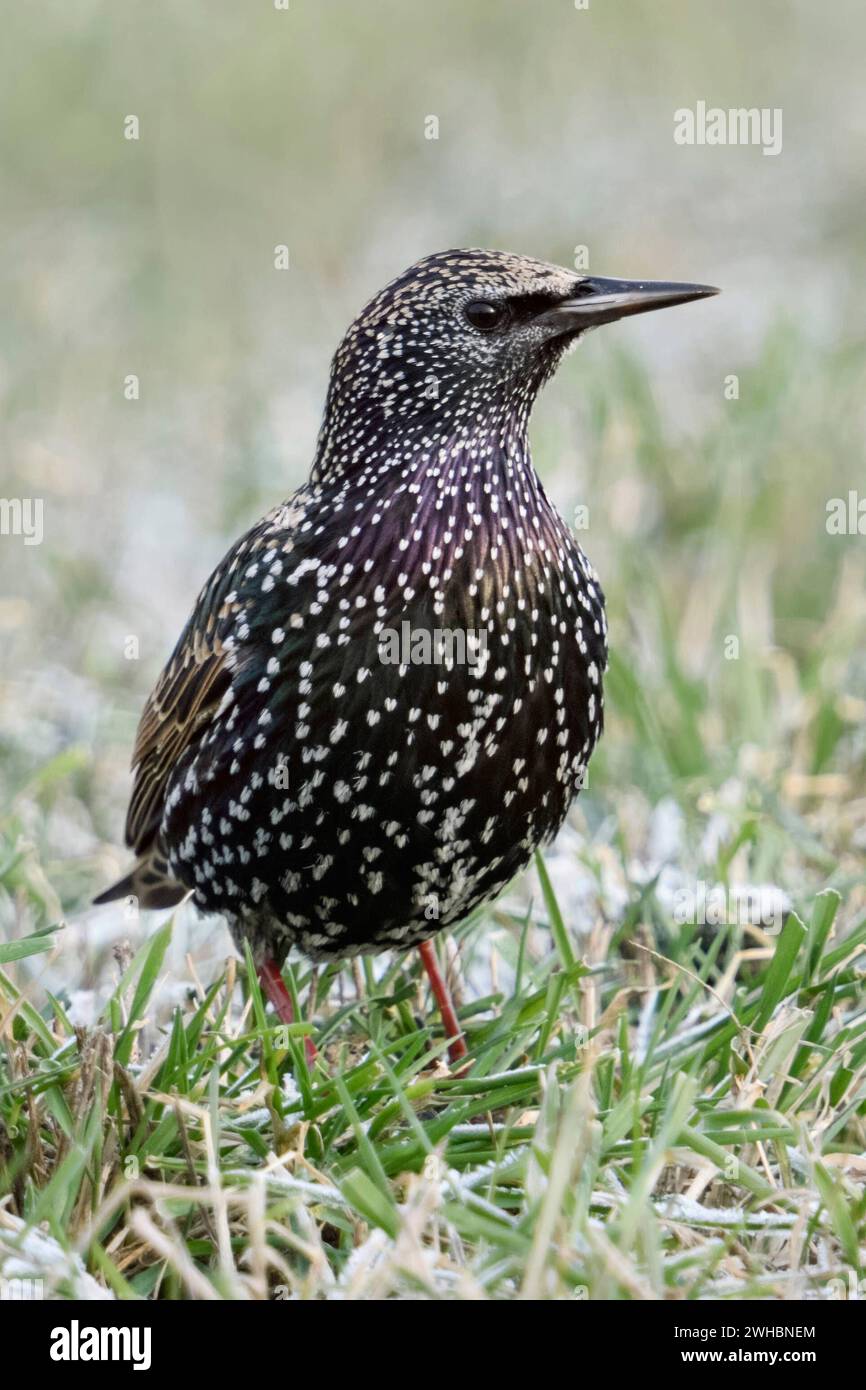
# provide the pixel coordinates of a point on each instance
(464, 339)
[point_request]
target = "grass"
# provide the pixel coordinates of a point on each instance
(611, 1140)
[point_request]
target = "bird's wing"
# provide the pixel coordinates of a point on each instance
(190, 689)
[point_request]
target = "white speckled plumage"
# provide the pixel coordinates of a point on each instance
(311, 793)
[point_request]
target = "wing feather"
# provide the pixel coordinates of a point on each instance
(191, 688)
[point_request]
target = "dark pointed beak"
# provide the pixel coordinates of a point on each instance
(597, 300)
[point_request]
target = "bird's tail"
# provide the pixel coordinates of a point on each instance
(149, 881)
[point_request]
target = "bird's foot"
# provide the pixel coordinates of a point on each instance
(274, 986)
(457, 1049)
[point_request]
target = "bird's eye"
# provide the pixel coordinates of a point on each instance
(484, 315)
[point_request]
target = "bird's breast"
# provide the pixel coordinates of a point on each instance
(396, 733)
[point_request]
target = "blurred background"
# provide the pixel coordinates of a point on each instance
(307, 127)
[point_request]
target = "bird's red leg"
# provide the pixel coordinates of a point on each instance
(274, 987)
(457, 1047)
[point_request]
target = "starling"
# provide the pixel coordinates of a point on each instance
(388, 691)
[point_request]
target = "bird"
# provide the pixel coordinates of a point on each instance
(388, 691)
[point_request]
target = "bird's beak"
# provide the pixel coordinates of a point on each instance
(598, 300)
